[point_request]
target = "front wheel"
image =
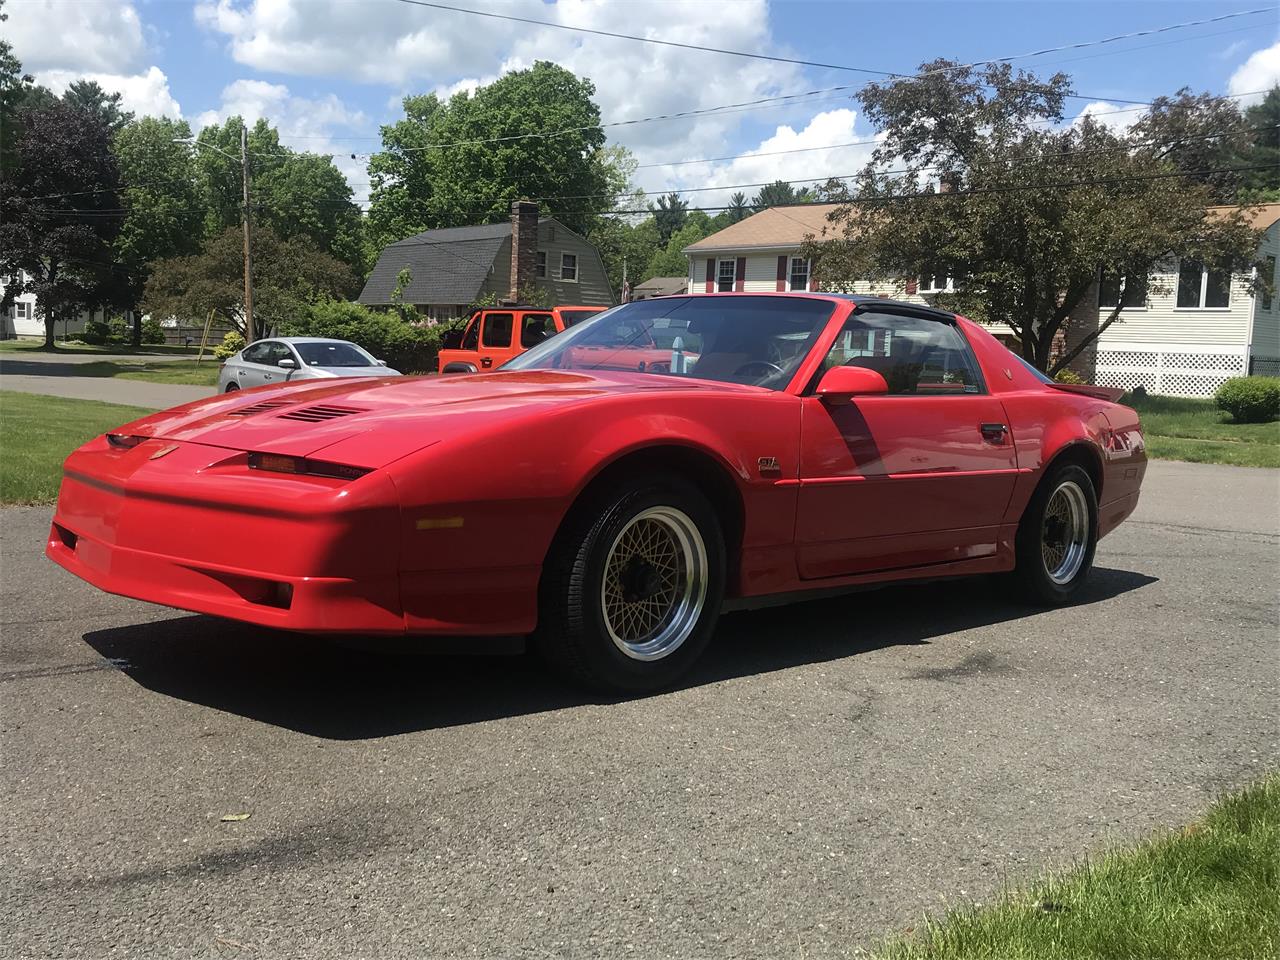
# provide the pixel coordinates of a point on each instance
(232, 387)
(633, 586)
(1058, 536)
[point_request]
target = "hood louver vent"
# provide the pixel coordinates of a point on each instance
(262, 406)
(319, 413)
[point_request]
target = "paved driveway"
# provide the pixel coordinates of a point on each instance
(832, 770)
(57, 375)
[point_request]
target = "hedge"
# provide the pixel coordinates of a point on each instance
(1250, 399)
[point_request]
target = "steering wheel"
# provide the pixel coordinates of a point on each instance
(770, 369)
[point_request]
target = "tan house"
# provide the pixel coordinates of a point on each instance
(1183, 334)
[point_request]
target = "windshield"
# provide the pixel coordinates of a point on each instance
(753, 340)
(577, 316)
(333, 353)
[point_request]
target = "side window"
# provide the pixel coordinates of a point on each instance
(257, 353)
(915, 355)
(280, 351)
(497, 329)
(569, 267)
(471, 339)
(536, 327)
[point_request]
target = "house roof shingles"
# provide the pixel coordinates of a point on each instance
(774, 227)
(447, 266)
(1260, 217)
(662, 286)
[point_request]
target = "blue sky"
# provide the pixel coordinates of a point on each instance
(328, 72)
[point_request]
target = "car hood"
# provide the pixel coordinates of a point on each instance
(370, 422)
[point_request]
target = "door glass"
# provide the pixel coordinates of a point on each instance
(257, 353)
(497, 329)
(915, 355)
(536, 327)
(471, 339)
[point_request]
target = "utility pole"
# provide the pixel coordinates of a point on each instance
(248, 245)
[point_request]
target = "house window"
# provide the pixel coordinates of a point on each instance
(21, 310)
(933, 279)
(799, 274)
(542, 264)
(1135, 290)
(569, 267)
(726, 273)
(1200, 288)
(1269, 266)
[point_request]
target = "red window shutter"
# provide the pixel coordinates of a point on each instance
(740, 275)
(813, 278)
(711, 274)
(912, 286)
(782, 275)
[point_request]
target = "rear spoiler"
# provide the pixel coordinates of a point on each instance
(1101, 393)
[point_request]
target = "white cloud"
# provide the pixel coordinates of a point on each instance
(1260, 72)
(413, 48)
(1113, 116)
(303, 123)
(145, 94)
(775, 158)
(104, 36)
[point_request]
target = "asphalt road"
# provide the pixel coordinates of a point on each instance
(832, 770)
(57, 375)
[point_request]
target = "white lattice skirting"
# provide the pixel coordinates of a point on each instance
(1178, 371)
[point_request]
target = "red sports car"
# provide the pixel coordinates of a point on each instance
(606, 505)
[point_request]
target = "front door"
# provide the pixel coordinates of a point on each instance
(496, 341)
(254, 368)
(919, 476)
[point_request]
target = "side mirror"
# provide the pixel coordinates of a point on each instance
(841, 384)
(288, 364)
(381, 363)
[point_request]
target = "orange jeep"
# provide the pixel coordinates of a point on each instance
(493, 335)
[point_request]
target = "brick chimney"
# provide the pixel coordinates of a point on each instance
(524, 246)
(949, 182)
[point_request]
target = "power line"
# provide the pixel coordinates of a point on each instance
(830, 66)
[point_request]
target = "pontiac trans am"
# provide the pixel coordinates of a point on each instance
(610, 491)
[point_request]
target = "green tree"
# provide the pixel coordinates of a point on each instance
(621, 238)
(57, 220)
(669, 215)
(1196, 133)
(88, 96)
(288, 275)
(1032, 214)
(1262, 121)
(780, 193)
(463, 161)
(18, 90)
(671, 261)
(158, 191)
(739, 208)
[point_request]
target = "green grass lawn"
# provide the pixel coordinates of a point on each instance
(1210, 890)
(204, 373)
(76, 346)
(1178, 428)
(37, 433)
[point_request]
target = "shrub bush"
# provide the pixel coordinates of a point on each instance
(407, 348)
(152, 332)
(96, 332)
(1067, 375)
(1250, 399)
(231, 343)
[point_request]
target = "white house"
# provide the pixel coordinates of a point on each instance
(23, 320)
(1190, 329)
(1186, 332)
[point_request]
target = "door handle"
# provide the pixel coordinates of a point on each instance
(994, 432)
(486, 361)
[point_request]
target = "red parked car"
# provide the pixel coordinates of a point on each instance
(607, 505)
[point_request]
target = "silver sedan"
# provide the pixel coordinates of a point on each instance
(283, 359)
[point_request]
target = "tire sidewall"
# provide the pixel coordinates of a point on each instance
(1030, 559)
(602, 656)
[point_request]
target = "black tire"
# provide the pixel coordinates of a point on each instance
(574, 631)
(232, 388)
(1040, 536)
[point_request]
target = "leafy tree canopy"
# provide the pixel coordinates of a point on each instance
(669, 216)
(288, 274)
(1036, 211)
(56, 219)
(433, 171)
(778, 194)
(88, 96)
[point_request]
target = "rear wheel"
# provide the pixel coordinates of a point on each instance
(232, 387)
(1058, 536)
(633, 586)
